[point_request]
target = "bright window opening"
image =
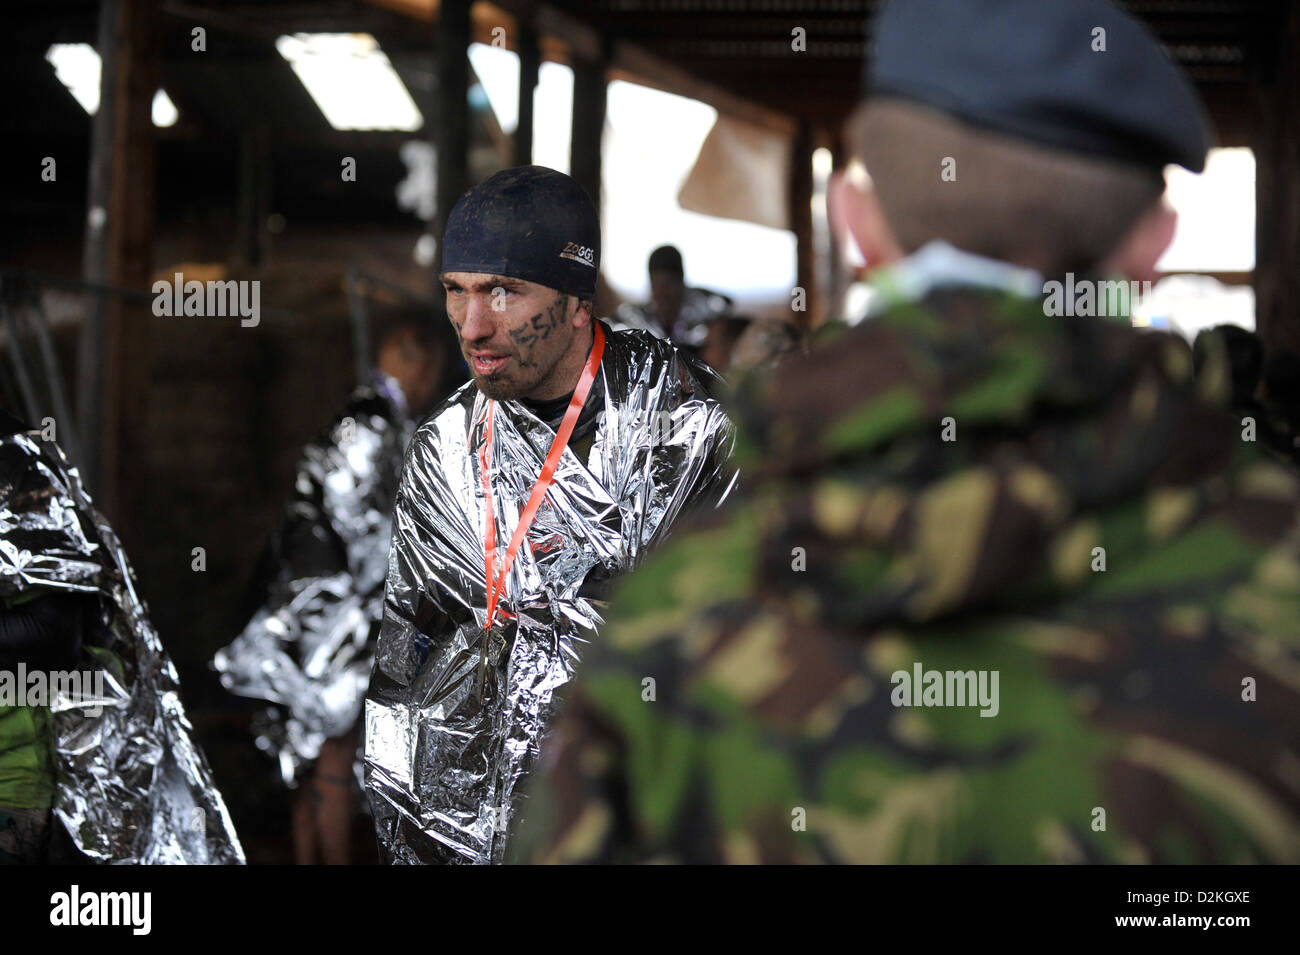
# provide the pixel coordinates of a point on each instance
(164, 110)
(1216, 215)
(498, 70)
(652, 139)
(553, 116)
(351, 80)
(78, 67)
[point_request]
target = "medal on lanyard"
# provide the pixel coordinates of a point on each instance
(496, 579)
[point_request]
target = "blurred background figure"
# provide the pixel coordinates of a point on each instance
(1282, 400)
(675, 310)
(997, 588)
(97, 757)
(1231, 372)
(1228, 362)
(309, 646)
(721, 334)
(765, 343)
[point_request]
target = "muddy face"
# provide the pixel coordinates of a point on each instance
(515, 335)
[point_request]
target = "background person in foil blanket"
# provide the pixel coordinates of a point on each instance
(529, 489)
(309, 646)
(119, 770)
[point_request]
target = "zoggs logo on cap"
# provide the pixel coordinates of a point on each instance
(579, 253)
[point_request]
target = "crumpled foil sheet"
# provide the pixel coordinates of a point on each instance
(442, 767)
(697, 310)
(133, 786)
(309, 649)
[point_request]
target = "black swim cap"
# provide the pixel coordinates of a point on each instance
(530, 223)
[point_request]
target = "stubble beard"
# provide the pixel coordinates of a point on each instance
(498, 388)
(503, 386)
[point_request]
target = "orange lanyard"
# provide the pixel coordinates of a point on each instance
(496, 580)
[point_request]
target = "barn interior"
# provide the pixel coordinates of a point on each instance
(187, 429)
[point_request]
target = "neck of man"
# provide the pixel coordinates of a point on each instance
(568, 369)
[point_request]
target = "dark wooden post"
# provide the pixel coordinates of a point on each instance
(588, 125)
(254, 195)
(529, 62)
(114, 354)
(837, 272)
(1277, 190)
(801, 222)
(451, 133)
(94, 262)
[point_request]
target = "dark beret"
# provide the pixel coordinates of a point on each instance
(1078, 75)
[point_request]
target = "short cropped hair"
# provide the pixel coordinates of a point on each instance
(668, 259)
(1004, 198)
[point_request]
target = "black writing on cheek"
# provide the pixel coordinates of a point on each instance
(543, 324)
(525, 336)
(556, 311)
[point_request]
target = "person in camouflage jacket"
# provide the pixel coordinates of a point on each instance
(996, 587)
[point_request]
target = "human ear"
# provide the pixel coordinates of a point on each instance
(1143, 244)
(583, 310)
(854, 211)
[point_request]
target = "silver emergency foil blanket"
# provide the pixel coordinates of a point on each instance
(133, 787)
(310, 647)
(697, 310)
(442, 768)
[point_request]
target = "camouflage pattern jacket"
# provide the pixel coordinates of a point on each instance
(998, 589)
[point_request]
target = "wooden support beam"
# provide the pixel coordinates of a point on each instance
(1277, 191)
(94, 260)
(568, 39)
(633, 63)
(529, 63)
(583, 41)
(451, 131)
(588, 125)
(840, 278)
(253, 200)
(801, 223)
(114, 354)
